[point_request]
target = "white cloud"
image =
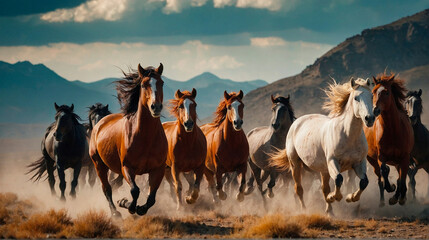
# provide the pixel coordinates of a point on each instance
(267, 42)
(272, 5)
(108, 10)
(176, 6)
(223, 3)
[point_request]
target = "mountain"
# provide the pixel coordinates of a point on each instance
(28, 93)
(401, 47)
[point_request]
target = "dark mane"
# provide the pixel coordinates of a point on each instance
(174, 103)
(128, 90)
(398, 89)
(221, 109)
(67, 110)
(413, 94)
(99, 109)
(286, 102)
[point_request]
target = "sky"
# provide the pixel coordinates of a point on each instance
(242, 40)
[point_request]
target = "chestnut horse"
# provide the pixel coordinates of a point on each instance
(391, 139)
(227, 146)
(132, 142)
(187, 146)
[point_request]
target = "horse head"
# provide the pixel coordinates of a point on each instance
(234, 106)
(362, 100)
(280, 109)
(152, 89)
(185, 108)
(64, 121)
(414, 105)
(96, 113)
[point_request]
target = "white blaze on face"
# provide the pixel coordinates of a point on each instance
(234, 109)
(364, 102)
(186, 105)
(153, 87)
(379, 90)
(410, 106)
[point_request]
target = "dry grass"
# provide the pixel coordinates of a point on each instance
(315, 221)
(94, 224)
(151, 227)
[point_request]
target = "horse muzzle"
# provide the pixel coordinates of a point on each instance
(237, 124)
(369, 120)
(155, 110)
(189, 125)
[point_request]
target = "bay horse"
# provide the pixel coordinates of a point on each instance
(227, 146)
(331, 144)
(96, 112)
(187, 146)
(63, 146)
(390, 140)
(420, 153)
(264, 140)
(132, 142)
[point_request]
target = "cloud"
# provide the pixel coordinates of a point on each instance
(267, 42)
(108, 10)
(272, 5)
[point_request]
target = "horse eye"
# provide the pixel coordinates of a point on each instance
(181, 106)
(356, 98)
(229, 107)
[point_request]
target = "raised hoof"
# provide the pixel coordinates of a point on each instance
(332, 197)
(393, 200)
(270, 194)
(391, 189)
(141, 210)
(190, 200)
(352, 198)
(240, 197)
(116, 215)
(122, 203)
(222, 195)
(249, 190)
(402, 201)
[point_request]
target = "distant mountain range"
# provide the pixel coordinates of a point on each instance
(28, 92)
(401, 47)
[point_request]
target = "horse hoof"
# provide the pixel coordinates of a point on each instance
(116, 215)
(393, 201)
(222, 195)
(249, 190)
(402, 201)
(141, 210)
(330, 198)
(240, 197)
(392, 188)
(270, 194)
(349, 198)
(63, 199)
(122, 203)
(190, 200)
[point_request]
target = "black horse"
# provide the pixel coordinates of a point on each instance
(95, 114)
(420, 153)
(63, 146)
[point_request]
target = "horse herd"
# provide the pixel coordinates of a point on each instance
(367, 122)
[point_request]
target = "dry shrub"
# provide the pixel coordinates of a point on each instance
(371, 224)
(272, 226)
(94, 224)
(382, 230)
(315, 221)
(7, 199)
(151, 227)
(13, 210)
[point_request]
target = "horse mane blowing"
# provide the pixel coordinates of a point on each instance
(175, 103)
(399, 90)
(221, 109)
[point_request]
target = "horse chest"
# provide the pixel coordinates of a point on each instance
(188, 156)
(232, 154)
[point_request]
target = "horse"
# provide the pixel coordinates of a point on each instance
(95, 114)
(331, 144)
(227, 146)
(187, 146)
(132, 142)
(390, 140)
(63, 146)
(264, 140)
(420, 152)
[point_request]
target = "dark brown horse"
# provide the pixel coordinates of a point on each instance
(64, 146)
(95, 114)
(133, 142)
(391, 139)
(420, 153)
(227, 146)
(187, 146)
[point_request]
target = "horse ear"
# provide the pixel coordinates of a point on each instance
(160, 69)
(72, 107)
(226, 95)
(368, 82)
(392, 78)
(375, 80)
(420, 92)
(178, 94)
(193, 93)
(56, 106)
(240, 95)
(106, 107)
(141, 71)
(352, 82)
(273, 99)
(288, 97)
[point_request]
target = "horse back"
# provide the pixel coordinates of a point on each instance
(420, 151)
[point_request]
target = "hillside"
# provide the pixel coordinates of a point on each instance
(401, 47)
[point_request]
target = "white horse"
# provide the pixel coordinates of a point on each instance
(331, 144)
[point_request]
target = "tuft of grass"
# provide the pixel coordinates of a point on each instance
(152, 227)
(94, 224)
(382, 230)
(315, 221)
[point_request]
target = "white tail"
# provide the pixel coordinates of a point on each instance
(278, 159)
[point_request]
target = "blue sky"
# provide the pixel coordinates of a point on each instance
(237, 39)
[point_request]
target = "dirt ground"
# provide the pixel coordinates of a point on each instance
(281, 218)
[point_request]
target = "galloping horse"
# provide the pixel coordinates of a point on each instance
(331, 144)
(64, 146)
(227, 147)
(187, 146)
(390, 140)
(132, 142)
(264, 140)
(420, 153)
(96, 113)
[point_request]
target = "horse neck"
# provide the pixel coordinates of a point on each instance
(351, 125)
(181, 132)
(390, 117)
(228, 130)
(143, 119)
(278, 138)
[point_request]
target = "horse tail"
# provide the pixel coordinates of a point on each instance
(278, 159)
(39, 167)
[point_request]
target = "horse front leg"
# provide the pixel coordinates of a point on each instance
(177, 185)
(62, 177)
(273, 177)
(385, 170)
(51, 177)
(196, 186)
(130, 176)
(377, 172)
(360, 170)
(256, 175)
(76, 173)
(242, 172)
(211, 182)
(326, 189)
(155, 179)
(219, 184)
(412, 171)
(169, 179)
(401, 192)
(334, 172)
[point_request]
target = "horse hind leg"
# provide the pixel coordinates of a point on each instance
(412, 171)
(326, 189)
(135, 190)
(92, 175)
(211, 184)
(192, 198)
(155, 179)
(76, 172)
(50, 169)
(360, 170)
(272, 183)
(82, 177)
(242, 171)
(334, 172)
(256, 175)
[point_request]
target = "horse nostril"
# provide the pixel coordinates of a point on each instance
(241, 122)
(235, 122)
(160, 107)
(152, 106)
